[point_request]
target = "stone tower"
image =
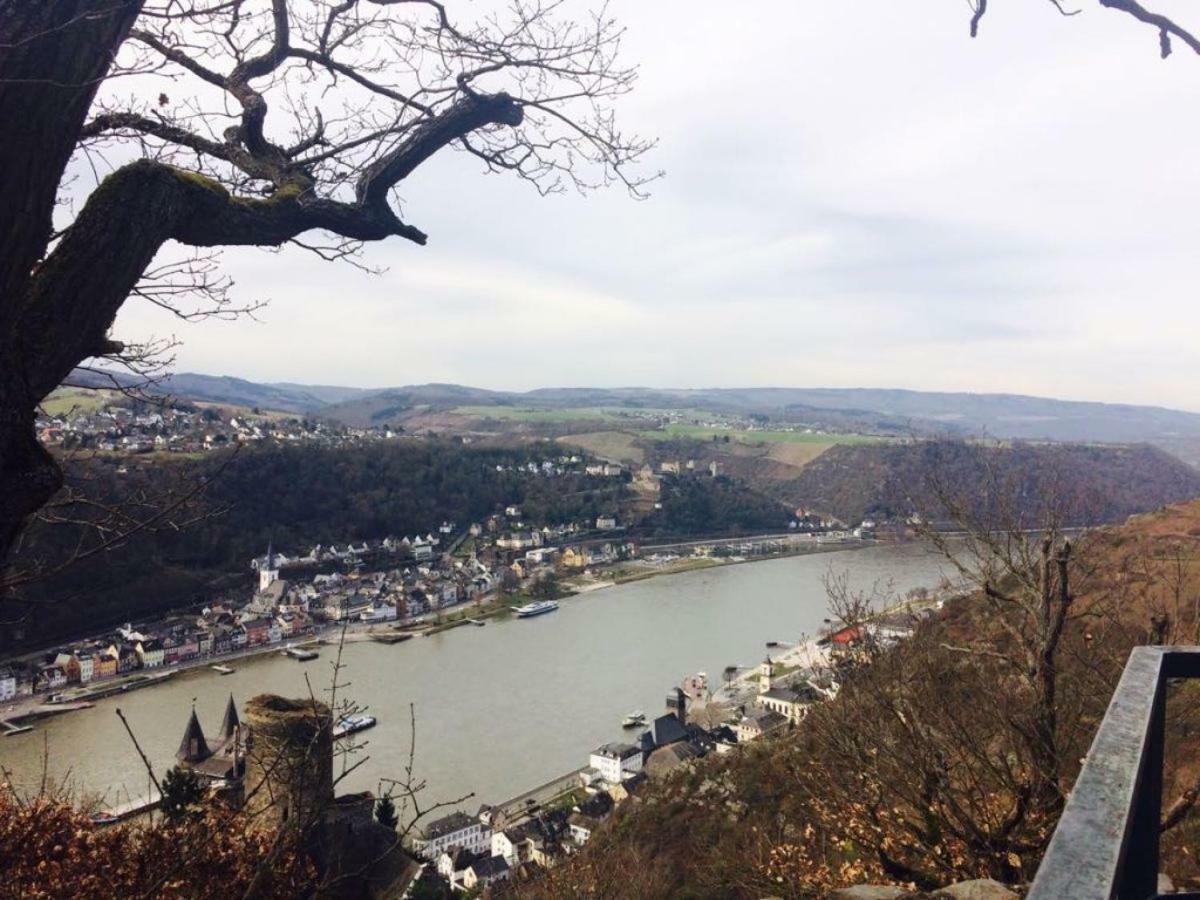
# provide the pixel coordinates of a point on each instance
(764, 675)
(289, 764)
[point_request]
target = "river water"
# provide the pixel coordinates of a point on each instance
(499, 709)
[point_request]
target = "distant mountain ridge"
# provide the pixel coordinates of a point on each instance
(1006, 416)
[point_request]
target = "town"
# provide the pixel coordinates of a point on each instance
(390, 589)
(136, 426)
(546, 825)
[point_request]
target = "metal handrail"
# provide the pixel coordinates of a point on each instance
(1106, 842)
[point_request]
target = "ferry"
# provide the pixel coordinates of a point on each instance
(223, 670)
(634, 720)
(352, 724)
(535, 609)
(300, 653)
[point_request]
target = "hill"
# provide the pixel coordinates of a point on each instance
(891, 481)
(898, 413)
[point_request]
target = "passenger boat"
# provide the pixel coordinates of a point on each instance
(535, 609)
(634, 720)
(352, 724)
(300, 653)
(224, 670)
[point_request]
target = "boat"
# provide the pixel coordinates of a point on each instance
(390, 638)
(535, 609)
(104, 818)
(634, 720)
(300, 653)
(224, 670)
(351, 724)
(477, 622)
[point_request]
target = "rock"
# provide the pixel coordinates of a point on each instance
(1165, 884)
(980, 889)
(870, 892)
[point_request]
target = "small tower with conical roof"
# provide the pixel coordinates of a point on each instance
(193, 748)
(229, 725)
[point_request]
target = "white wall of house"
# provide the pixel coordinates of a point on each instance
(502, 846)
(474, 837)
(616, 770)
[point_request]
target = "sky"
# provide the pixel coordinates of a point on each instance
(855, 195)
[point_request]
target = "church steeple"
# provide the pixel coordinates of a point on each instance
(193, 748)
(231, 721)
(268, 572)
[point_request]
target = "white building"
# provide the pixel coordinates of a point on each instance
(8, 686)
(380, 612)
(606, 523)
(455, 830)
(616, 762)
(503, 846)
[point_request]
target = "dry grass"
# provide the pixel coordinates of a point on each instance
(797, 454)
(615, 445)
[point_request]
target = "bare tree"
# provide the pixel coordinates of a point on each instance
(268, 120)
(1168, 30)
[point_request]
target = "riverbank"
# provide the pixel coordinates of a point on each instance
(499, 709)
(487, 607)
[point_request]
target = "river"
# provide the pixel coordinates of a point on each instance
(499, 709)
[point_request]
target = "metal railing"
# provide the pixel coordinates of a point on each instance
(1106, 842)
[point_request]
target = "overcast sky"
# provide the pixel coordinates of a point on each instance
(856, 194)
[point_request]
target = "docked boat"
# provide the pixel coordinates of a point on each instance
(634, 720)
(352, 724)
(535, 609)
(390, 638)
(301, 653)
(478, 623)
(223, 670)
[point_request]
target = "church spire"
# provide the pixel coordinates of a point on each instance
(193, 748)
(231, 721)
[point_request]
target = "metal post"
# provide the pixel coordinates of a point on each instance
(1138, 878)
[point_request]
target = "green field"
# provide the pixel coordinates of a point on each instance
(699, 432)
(84, 400)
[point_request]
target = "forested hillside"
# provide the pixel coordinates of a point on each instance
(293, 496)
(884, 481)
(296, 496)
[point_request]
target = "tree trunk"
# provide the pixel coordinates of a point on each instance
(53, 56)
